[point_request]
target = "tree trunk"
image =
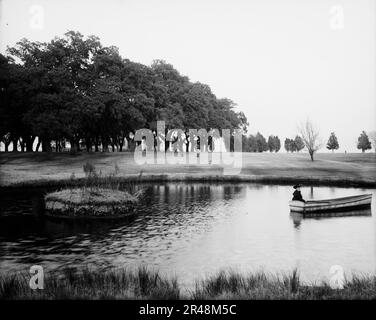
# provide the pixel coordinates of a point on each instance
(38, 145)
(75, 144)
(311, 155)
(74, 147)
(96, 144)
(22, 145)
(46, 146)
(15, 143)
(29, 144)
(6, 145)
(104, 145)
(78, 144)
(88, 144)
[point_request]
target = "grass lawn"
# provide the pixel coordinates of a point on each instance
(358, 169)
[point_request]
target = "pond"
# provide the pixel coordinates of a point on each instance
(194, 229)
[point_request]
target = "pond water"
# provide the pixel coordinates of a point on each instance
(192, 230)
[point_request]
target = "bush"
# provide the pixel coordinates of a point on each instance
(89, 169)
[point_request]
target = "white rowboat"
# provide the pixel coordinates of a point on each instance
(338, 204)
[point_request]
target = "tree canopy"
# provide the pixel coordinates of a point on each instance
(290, 145)
(332, 143)
(372, 137)
(75, 89)
(363, 142)
(294, 145)
(274, 144)
(255, 143)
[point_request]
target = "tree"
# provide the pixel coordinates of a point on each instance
(274, 144)
(290, 145)
(363, 142)
(332, 142)
(58, 81)
(5, 124)
(255, 143)
(310, 136)
(299, 143)
(252, 144)
(271, 143)
(287, 144)
(277, 144)
(372, 137)
(261, 143)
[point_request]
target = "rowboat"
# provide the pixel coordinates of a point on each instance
(330, 205)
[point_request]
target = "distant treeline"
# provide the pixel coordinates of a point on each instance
(258, 143)
(73, 89)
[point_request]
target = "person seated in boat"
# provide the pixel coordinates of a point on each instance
(297, 195)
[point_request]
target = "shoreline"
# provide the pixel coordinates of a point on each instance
(165, 178)
(329, 169)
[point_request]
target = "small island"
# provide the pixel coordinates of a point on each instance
(90, 203)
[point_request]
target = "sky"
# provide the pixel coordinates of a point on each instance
(280, 61)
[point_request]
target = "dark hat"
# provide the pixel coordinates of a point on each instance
(297, 186)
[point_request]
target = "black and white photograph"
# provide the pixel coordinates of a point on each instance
(205, 151)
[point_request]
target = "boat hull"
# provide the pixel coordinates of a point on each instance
(332, 205)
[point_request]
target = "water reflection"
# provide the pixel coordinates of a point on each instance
(191, 230)
(297, 217)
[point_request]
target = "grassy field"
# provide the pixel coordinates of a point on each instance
(328, 168)
(146, 284)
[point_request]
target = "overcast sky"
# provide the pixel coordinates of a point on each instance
(280, 61)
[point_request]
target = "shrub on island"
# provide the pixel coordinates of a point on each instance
(90, 203)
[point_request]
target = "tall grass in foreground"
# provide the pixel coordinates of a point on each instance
(89, 284)
(232, 285)
(146, 284)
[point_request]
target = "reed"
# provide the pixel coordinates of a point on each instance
(93, 285)
(144, 283)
